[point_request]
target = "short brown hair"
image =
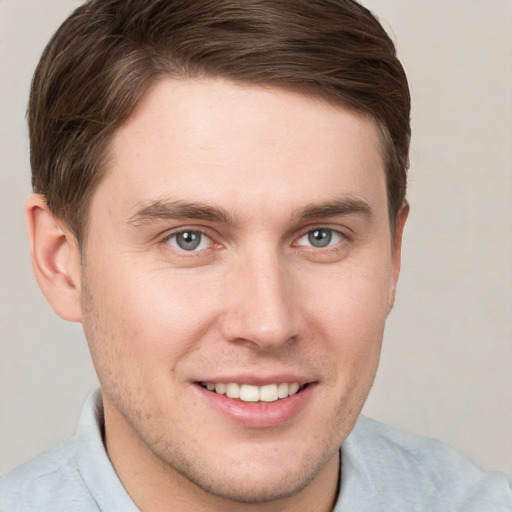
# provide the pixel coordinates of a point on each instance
(108, 52)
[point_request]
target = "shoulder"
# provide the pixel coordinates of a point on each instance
(422, 471)
(50, 481)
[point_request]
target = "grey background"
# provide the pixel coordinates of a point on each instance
(447, 359)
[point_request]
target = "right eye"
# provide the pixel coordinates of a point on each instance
(189, 240)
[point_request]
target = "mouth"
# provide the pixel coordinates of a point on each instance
(251, 393)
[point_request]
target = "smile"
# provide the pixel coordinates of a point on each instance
(251, 393)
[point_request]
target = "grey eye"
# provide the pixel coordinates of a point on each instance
(320, 237)
(189, 240)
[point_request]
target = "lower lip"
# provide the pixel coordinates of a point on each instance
(259, 414)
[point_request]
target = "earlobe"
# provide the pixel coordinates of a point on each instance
(401, 218)
(55, 259)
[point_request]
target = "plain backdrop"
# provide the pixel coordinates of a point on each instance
(446, 368)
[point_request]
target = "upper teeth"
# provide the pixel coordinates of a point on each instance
(250, 393)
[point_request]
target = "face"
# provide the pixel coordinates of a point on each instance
(238, 272)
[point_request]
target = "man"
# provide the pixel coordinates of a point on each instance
(220, 200)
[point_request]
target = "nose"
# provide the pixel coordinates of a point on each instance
(261, 303)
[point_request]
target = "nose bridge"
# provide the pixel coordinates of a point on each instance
(261, 306)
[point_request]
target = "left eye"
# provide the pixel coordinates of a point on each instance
(189, 240)
(320, 238)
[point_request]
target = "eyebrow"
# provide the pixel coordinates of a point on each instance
(162, 209)
(339, 207)
(165, 209)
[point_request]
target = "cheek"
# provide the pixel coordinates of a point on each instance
(146, 317)
(348, 313)
(351, 299)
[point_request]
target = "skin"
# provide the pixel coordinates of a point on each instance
(256, 301)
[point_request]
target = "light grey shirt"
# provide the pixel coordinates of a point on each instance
(382, 471)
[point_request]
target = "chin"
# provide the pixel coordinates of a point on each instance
(253, 477)
(248, 486)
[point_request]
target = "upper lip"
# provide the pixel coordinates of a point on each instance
(257, 380)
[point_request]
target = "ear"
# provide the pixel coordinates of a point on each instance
(396, 256)
(55, 259)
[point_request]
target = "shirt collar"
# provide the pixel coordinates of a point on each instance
(94, 464)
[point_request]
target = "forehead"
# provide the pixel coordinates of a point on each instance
(240, 146)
